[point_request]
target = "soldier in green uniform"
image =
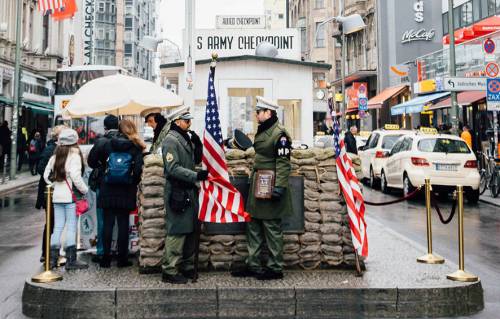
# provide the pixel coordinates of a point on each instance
(181, 151)
(160, 126)
(272, 152)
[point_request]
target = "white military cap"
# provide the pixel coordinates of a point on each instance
(181, 113)
(263, 104)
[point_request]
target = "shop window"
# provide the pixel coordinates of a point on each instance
(466, 14)
(445, 23)
(476, 10)
(291, 117)
(242, 110)
(320, 35)
(456, 17)
(484, 8)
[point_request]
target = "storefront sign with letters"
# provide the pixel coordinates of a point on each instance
(240, 22)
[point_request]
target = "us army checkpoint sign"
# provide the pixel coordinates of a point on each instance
(493, 94)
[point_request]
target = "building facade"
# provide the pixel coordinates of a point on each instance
(42, 54)
(275, 11)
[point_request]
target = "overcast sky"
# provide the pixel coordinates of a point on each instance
(172, 14)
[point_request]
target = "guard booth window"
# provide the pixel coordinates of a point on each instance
(242, 110)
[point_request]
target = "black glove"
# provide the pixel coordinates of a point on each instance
(202, 175)
(278, 192)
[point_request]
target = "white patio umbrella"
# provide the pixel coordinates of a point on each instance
(120, 95)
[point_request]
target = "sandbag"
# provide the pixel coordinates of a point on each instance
(153, 181)
(311, 185)
(310, 238)
(157, 243)
(329, 187)
(304, 161)
(147, 203)
(152, 213)
(325, 154)
(153, 171)
(313, 217)
(234, 163)
(328, 177)
(301, 154)
(331, 239)
(332, 250)
(333, 260)
(250, 152)
(331, 228)
(311, 195)
(310, 175)
(153, 223)
(311, 227)
(235, 154)
(153, 191)
(226, 240)
(310, 205)
(153, 233)
(330, 206)
(330, 217)
(329, 196)
(153, 160)
(290, 238)
(291, 248)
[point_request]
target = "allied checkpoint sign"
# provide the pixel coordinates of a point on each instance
(493, 94)
(236, 42)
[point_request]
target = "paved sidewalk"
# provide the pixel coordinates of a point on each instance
(486, 198)
(22, 179)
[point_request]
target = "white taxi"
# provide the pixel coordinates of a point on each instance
(445, 159)
(374, 153)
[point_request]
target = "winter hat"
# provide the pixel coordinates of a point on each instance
(111, 122)
(67, 137)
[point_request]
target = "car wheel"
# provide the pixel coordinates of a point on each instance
(472, 196)
(407, 186)
(373, 180)
(383, 183)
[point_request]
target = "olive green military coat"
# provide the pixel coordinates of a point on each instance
(266, 158)
(178, 159)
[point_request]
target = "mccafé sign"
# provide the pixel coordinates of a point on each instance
(418, 33)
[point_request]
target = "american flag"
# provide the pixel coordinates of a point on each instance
(220, 201)
(52, 5)
(349, 185)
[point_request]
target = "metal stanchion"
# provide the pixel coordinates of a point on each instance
(4, 171)
(460, 274)
(429, 258)
(47, 275)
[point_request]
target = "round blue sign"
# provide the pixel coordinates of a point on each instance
(489, 46)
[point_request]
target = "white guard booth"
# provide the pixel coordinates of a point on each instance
(239, 79)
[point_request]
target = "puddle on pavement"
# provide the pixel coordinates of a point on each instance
(23, 196)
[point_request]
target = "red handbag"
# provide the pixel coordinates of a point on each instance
(82, 205)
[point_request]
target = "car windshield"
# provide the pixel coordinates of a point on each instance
(389, 140)
(443, 145)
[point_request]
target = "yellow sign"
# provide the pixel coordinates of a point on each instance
(391, 127)
(427, 86)
(338, 97)
(428, 130)
(64, 103)
(364, 133)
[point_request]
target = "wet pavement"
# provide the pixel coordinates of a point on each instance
(21, 227)
(482, 237)
(21, 230)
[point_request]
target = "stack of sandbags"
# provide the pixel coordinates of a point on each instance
(240, 163)
(347, 246)
(151, 212)
(204, 252)
(291, 248)
(221, 250)
(240, 251)
(356, 163)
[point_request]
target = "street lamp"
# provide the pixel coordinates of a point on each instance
(150, 43)
(350, 24)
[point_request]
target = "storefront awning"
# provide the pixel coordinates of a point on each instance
(486, 26)
(40, 107)
(417, 104)
(463, 98)
(4, 100)
(378, 100)
(355, 77)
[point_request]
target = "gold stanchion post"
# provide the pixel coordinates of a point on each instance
(461, 274)
(429, 258)
(47, 275)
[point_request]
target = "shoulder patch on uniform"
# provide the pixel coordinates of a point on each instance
(283, 146)
(169, 157)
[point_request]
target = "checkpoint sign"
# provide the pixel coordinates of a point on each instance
(491, 69)
(493, 94)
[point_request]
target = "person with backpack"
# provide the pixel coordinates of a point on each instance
(64, 172)
(122, 156)
(34, 151)
(98, 164)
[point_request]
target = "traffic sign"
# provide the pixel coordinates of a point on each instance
(489, 46)
(363, 104)
(362, 90)
(493, 94)
(491, 69)
(464, 84)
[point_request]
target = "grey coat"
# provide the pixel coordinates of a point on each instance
(178, 159)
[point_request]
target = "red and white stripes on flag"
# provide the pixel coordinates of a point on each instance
(220, 201)
(52, 5)
(349, 185)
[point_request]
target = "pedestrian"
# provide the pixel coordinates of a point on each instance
(5, 143)
(122, 155)
(267, 203)
(34, 152)
(41, 201)
(22, 147)
(160, 128)
(467, 136)
(98, 164)
(181, 198)
(64, 171)
(350, 140)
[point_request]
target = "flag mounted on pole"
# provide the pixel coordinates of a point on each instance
(349, 185)
(68, 11)
(45, 5)
(220, 201)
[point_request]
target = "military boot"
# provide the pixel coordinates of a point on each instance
(72, 262)
(54, 256)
